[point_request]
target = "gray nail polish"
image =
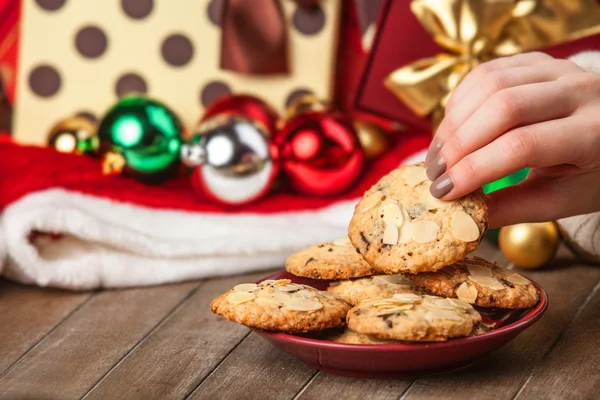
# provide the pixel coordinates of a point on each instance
(436, 168)
(434, 149)
(442, 186)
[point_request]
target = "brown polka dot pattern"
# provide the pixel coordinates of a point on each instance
(137, 9)
(213, 91)
(44, 81)
(215, 11)
(295, 95)
(51, 5)
(130, 83)
(309, 21)
(177, 50)
(91, 42)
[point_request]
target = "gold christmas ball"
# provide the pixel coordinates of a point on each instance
(529, 245)
(76, 135)
(306, 103)
(373, 139)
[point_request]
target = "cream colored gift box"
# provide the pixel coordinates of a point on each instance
(78, 56)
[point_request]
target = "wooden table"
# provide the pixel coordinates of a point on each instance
(163, 342)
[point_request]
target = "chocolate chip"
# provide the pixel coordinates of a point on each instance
(409, 254)
(309, 21)
(177, 50)
(212, 92)
(321, 245)
(295, 95)
(358, 251)
(491, 298)
(51, 5)
(330, 250)
(389, 324)
(383, 197)
(308, 261)
(433, 211)
(215, 11)
(44, 80)
(130, 83)
(137, 9)
(91, 41)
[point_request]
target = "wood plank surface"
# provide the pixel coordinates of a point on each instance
(84, 347)
(178, 355)
(501, 374)
(27, 314)
(255, 368)
(571, 370)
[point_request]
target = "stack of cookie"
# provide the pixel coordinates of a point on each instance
(402, 274)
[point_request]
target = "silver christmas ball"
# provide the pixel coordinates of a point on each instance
(233, 160)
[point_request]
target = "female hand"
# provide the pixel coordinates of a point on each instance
(527, 110)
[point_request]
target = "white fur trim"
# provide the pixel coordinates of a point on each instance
(589, 60)
(109, 244)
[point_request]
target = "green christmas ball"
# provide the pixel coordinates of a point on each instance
(141, 137)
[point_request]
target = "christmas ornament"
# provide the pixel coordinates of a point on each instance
(320, 154)
(75, 135)
(234, 162)
(141, 138)
(307, 103)
(529, 245)
(247, 106)
(373, 139)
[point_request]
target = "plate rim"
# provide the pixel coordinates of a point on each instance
(534, 314)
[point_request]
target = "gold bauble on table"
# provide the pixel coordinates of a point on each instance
(373, 139)
(307, 103)
(75, 135)
(529, 245)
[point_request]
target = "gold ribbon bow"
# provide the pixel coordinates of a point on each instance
(475, 31)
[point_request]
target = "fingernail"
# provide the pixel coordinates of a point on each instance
(436, 168)
(434, 149)
(442, 186)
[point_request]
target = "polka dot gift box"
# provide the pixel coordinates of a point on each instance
(79, 57)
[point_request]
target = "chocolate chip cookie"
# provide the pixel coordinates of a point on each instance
(354, 290)
(480, 282)
(332, 260)
(281, 306)
(398, 226)
(411, 317)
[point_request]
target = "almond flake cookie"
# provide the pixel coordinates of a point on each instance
(398, 226)
(412, 317)
(353, 291)
(348, 336)
(480, 282)
(281, 306)
(332, 260)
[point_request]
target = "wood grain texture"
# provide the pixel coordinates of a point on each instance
(27, 313)
(175, 358)
(501, 374)
(85, 346)
(255, 368)
(326, 386)
(570, 371)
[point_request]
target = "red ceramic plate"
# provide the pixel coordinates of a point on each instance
(407, 359)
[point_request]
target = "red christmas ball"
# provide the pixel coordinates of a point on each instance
(247, 106)
(320, 153)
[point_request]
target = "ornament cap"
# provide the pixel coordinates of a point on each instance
(113, 163)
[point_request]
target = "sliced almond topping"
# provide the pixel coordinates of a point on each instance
(413, 174)
(392, 214)
(463, 227)
(442, 314)
(371, 201)
(424, 231)
(432, 203)
(268, 301)
(479, 270)
(445, 304)
(397, 279)
(405, 233)
(279, 296)
(239, 297)
(335, 283)
(390, 235)
(488, 282)
(303, 305)
(342, 242)
(465, 293)
(290, 287)
(394, 308)
(518, 279)
(405, 298)
(246, 287)
(463, 305)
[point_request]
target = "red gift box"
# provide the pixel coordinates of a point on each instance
(401, 40)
